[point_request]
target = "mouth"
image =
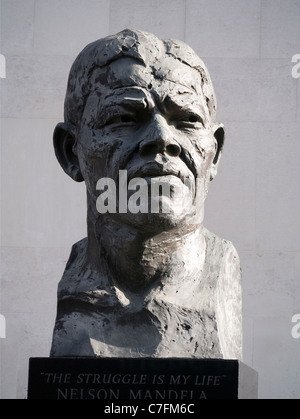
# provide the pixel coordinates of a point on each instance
(152, 170)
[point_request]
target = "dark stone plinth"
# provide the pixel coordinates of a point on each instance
(140, 379)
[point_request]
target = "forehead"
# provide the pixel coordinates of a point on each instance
(169, 77)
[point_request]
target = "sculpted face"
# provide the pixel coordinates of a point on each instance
(154, 123)
(156, 128)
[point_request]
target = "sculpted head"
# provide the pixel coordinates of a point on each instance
(137, 104)
(149, 279)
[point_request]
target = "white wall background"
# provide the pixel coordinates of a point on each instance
(248, 47)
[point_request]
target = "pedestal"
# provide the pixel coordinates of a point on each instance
(143, 379)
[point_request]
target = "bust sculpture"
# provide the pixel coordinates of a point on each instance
(149, 280)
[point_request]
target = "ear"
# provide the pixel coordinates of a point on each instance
(64, 140)
(219, 134)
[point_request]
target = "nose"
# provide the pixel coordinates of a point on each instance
(159, 139)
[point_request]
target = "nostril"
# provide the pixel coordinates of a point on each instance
(149, 149)
(173, 150)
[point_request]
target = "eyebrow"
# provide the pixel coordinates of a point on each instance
(132, 102)
(193, 106)
(138, 98)
(130, 96)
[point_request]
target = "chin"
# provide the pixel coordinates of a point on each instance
(155, 223)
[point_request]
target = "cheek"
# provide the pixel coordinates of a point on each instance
(94, 153)
(208, 160)
(201, 147)
(205, 144)
(101, 155)
(95, 144)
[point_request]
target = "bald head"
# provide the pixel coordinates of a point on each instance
(160, 59)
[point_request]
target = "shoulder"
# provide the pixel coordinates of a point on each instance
(77, 252)
(73, 270)
(221, 252)
(223, 259)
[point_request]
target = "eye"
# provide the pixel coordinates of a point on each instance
(194, 118)
(127, 119)
(190, 121)
(122, 120)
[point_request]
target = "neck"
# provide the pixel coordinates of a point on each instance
(137, 260)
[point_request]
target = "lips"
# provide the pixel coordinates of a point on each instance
(157, 170)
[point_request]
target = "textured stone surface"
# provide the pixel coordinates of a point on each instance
(191, 319)
(229, 208)
(145, 284)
